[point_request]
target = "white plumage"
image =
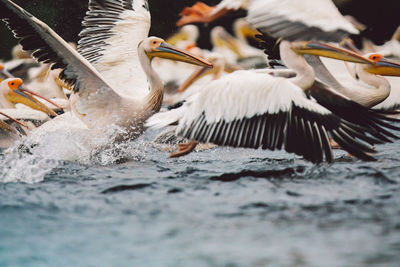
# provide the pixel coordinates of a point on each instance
(115, 56)
(322, 14)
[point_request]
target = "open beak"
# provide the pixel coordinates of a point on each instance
(168, 51)
(330, 51)
(31, 93)
(385, 68)
(19, 96)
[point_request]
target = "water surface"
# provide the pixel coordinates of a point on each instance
(222, 207)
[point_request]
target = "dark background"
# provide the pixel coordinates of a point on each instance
(64, 16)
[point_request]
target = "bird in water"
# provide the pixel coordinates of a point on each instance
(113, 81)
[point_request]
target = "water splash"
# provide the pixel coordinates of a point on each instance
(25, 167)
(32, 159)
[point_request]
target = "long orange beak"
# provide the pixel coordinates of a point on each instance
(168, 51)
(17, 95)
(384, 67)
(14, 120)
(330, 51)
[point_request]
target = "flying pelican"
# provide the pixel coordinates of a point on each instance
(288, 19)
(201, 12)
(106, 90)
(253, 109)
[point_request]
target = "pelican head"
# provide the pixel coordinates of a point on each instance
(221, 38)
(330, 51)
(157, 47)
(382, 66)
(11, 93)
(245, 30)
(186, 33)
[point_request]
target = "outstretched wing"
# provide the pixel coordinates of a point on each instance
(377, 121)
(231, 5)
(48, 47)
(109, 40)
(300, 20)
(247, 109)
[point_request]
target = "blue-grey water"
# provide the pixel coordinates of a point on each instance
(222, 207)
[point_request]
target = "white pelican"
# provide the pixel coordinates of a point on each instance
(201, 12)
(244, 30)
(186, 33)
(253, 109)
(111, 84)
(237, 51)
(11, 93)
(288, 19)
(21, 63)
(363, 83)
(390, 49)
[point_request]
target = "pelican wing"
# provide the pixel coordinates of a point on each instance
(231, 5)
(109, 40)
(248, 109)
(300, 20)
(375, 120)
(48, 47)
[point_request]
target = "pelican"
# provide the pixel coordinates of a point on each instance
(186, 33)
(288, 19)
(235, 50)
(201, 12)
(253, 109)
(244, 30)
(200, 77)
(390, 49)
(109, 75)
(21, 63)
(363, 83)
(11, 93)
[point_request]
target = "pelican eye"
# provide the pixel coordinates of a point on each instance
(375, 57)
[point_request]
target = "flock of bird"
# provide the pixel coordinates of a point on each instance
(323, 92)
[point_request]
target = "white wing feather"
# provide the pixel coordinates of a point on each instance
(231, 5)
(242, 94)
(322, 14)
(118, 60)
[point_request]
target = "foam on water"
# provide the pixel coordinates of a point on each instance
(31, 159)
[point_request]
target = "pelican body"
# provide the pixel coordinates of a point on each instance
(109, 74)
